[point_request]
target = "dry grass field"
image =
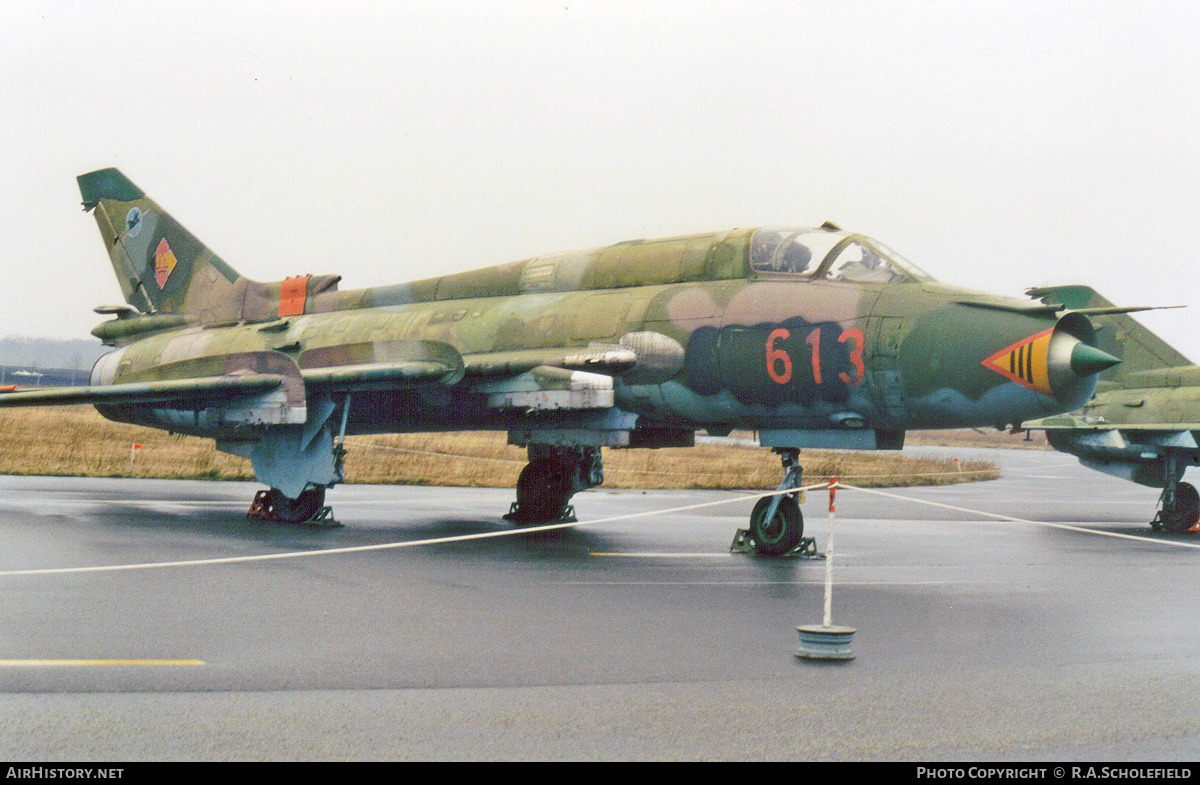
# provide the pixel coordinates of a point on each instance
(78, 441)
(979, 437)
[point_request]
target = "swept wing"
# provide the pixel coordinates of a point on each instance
(186, 393)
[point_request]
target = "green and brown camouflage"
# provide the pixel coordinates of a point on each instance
(1143, 422)
(813, 337)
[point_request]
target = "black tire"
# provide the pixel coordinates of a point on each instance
(296, 510)
(782, 533)
(543, 490)
(1186, 512)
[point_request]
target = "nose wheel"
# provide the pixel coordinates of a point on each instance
(778, 533)
(776, 525)
(1180, 503)
(1181, 512)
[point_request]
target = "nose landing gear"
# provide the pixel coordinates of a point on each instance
(776, 524)
(776, 532)
(1180, 501)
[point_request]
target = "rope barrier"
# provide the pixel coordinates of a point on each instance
(556, 526)
(395, 545)
(1014, 519)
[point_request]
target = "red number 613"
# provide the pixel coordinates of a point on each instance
(779, 363)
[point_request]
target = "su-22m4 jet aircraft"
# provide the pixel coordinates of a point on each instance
(811, 337)
(1144, 421)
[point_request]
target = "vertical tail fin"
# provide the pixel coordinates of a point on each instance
(1118, 334)
(161, 266)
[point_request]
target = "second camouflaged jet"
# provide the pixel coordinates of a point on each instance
(1144, 421)
(812, 337)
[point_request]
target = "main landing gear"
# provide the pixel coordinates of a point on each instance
(1180, 502)
(776, 525)
(552, 477)
(301, 460)
(309, 507)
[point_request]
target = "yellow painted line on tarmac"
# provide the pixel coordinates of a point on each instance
(188, 502)
(94, 663)
(39, 503)
(654, 555)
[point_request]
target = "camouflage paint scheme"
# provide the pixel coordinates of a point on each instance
(813, 338)
(1143, 423)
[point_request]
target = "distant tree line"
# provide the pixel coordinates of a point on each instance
(73, 354)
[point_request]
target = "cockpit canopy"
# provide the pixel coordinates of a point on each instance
(829, 253)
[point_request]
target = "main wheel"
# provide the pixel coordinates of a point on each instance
(296, 510)
(543, 490)
(782, 533)
(1186, 512)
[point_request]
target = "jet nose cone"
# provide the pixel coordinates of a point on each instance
(1087, 360)
(1061, 363)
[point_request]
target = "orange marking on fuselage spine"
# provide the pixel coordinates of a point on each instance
(293, 293)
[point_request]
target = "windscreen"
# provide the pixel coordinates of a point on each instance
(825, 253)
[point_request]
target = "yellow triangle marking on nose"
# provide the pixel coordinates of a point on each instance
(1025, 362)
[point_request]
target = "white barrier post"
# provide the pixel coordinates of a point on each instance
(829, 554)
(827, 641)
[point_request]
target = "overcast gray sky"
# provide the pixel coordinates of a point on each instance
(998, 145)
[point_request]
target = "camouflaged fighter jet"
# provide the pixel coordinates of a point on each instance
(811, 337)
(1144, 421)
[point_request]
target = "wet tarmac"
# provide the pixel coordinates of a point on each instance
(635, 639)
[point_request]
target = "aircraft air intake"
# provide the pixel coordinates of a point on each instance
(1061, 362)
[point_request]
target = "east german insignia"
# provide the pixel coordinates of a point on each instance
(164, 263)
